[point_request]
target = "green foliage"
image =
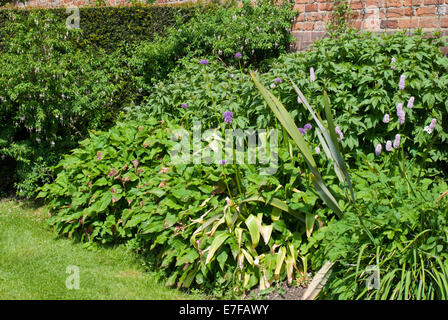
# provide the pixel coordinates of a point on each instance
(354, 69)
(409, 229)
(340, 19)
(362, 83)
(51, 94)
(120, 186)
(260, 33)
(110, 27)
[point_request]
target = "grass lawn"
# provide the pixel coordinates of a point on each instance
(33, 262)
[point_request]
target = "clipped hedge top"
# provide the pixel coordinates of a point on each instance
(107, 27)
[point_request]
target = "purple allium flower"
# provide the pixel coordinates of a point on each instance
(307, 127)
(278, 80)
(378, 149)
(312, 77)
(204, 62)
(317, 150)
(402, 81)
(397, 141)
(238, 55)
(302, 131)
(410, 102)
(339, 132)
(433, 124)
(388, 145)
(184, 105)
(222, 162)
(386, 118)
(231, 75)
(272, 86)
(228, 116)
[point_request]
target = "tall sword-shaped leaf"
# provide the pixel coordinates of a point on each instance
(330, 138)
(288, 123)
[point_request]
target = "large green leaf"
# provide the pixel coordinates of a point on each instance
(216, 244)
(254, 229)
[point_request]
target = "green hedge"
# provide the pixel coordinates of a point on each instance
(107, 27)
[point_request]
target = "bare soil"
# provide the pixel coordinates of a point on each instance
(280, 292)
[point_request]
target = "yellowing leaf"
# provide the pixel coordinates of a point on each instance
(253, 226)
(216, 244)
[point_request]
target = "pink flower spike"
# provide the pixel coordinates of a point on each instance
(388, 145)
(410, 102)
(399, 109)
(401, 117)
(378, 149)
(433, 124)
(312, 77)
(402, 82)
(397, 141)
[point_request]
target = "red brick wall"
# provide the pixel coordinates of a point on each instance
(368, 15)
(371, 15)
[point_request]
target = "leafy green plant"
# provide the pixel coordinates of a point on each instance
(359, 77)
(52, 94)
(120, 186)
(410, 234)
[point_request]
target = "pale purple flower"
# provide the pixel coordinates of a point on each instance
(307, 127)
(204, 62)
(400, 113)
(312, 76)
(386, 118)
(388, 145)
(339, 132)
(184, 105)
(231, 75)
(433, 124)
(278, 80)
(238, 55)
(396, 141)
(399, 109)
(299, 101)
(410, 102)
(378, 149)
(302, 131)
(222, 162)
(272, 86)
(228, 116)
(317, 150)
(392, 66)
(401, 117)
(402, 81)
